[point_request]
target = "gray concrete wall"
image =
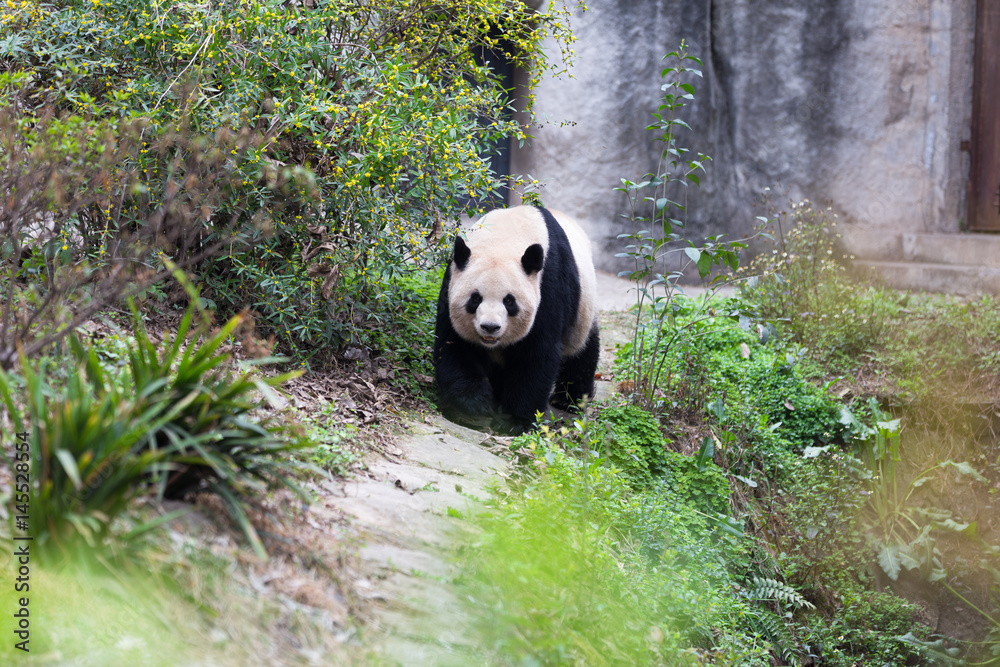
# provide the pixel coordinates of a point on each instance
(855, 103)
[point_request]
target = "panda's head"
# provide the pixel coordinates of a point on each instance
(494, 292)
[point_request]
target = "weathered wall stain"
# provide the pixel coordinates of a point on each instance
(859, 104)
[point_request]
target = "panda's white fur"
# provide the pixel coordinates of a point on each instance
(497, 243)
(587, 310)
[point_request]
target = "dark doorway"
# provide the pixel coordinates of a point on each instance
(984, 176)
(499, 153)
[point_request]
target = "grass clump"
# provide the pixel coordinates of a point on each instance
(84, 615)
(173, 422)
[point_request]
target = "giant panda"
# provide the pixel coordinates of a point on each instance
(516, 319)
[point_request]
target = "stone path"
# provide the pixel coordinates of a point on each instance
(401, 511)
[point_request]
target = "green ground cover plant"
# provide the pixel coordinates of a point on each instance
(922, 435)
(780, 530)
(580, 566)
(936, 352)
(740, 374)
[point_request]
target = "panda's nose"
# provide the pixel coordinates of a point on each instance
(489, 327)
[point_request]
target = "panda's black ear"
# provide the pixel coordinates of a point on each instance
(462, 254)
(533, 259)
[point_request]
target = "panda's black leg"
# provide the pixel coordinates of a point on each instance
(462, 380)
(527, 384)
(576, 378)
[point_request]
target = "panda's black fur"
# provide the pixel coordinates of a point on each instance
(518, 380)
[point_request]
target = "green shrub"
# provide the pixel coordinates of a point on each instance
(865, 631)
(739, 373)
(803, 282)
(58, 267)
(406, 332)
(379, 114)
(176, 422)
(768, 382)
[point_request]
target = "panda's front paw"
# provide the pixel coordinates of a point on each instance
(508, 425)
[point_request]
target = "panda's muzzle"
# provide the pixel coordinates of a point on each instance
(487, 330)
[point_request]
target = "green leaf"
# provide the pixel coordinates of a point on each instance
(888, 559)
(941, 652)
(908, 557)
(964, 468)
(813, 452)
(69, 465)
(967, 529)
(889, 427)
(236, 511)
(704, 264)
(155, 523)
(705, 453)
(728, 524)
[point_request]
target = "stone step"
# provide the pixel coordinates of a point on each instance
(892, 245)
(872, 245)
(978, 250)
(934, 277)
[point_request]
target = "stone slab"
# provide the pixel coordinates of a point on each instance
(937, 278)
(981, 250)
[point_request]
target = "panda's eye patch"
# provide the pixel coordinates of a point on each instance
(510, 303)
(473, 303)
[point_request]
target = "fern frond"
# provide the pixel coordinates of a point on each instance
(765, 589)
(775, 629)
